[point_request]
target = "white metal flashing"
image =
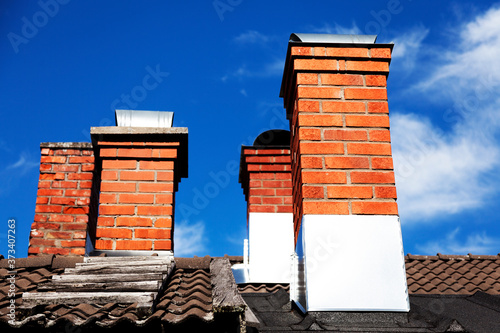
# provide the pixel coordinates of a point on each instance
(271, 243)
(351, 263)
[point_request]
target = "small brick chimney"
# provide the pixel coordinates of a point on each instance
(266, 179)
(140, 170)
(115, 194)
(346, 224)
(66, 205)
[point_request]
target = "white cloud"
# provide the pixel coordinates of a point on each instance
(252, 37)
(189, 239)
(408, 46)
(337, 29)
(478, 243)
(446, 173)
(272, 68)
(437, 173)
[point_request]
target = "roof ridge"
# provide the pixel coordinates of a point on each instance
(440, 256)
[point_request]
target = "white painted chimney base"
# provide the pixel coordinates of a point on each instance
(271, 246)
(351, 263)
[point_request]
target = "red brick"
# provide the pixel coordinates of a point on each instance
(367, 120)
(136, 198)
(368, 148)
(284, 209)
(46, 151)
(62, 201)
(87, 167)
(134, 245)
(323, 177)
(318, 92)
(345, 135)
(262, 175)
(307, 106)
(382, 163)
(134, 221)
(376, 80)
(108, 198)
(380, 135)
(64, 184)
(164, 198)
(108, 152)
(165, 176)
(78, 193)
(380, 53)
(53, 159)
(343, 106)
(104, 244)
(346, 162)
(388, 192)
(117, 187)
(42, 242)
(261, 191)
(321, 148)
(43, 200)
(135, 152)
(272, 200)
(156, 187)
(65, 168)
(152, 233)
(119, 164)
(109, 175)
(154, 210)
(316, 192)
(365, 93)
(114, 233)
(80, 176)
(300, 50)
(164, 153)
(262, 209)
(59, 251)
(68, 152)
(59, 235)
(41, 225)
(320, 120)
(156, 165)
(76, 210)
(307, 78)
(81, 159)
(73, 243)
(374, 208)
(116, 210)
(311, 162)
(164, 222)
(315, 64)
(75, 226)
(341, 79)
(51, 176)
(310, 134)
(378, 107)
(163, 245)
(325, 207)
(367, 66)
(48, 209)
(60, 218)
(105, 221)
(372, 177)
(49, 192)
(349, 192)
(45, 167)
(137, 175)
(284, 191)
(347, 52)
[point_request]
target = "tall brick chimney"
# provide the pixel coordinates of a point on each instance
(266, 179)
(140, 169)
(346, 224)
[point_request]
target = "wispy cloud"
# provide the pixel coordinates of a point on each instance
(273, 68)
(336, 28)
(408, 46)
(477, 243)
(449, 172)
(189, 239)
(252, 37)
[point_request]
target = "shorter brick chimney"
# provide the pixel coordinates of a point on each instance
(266, 179)
(140, 169)
(66, 204)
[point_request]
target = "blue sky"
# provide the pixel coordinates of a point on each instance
(66, 65)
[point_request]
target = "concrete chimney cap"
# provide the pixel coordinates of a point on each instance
(140, 118)
(332, 38)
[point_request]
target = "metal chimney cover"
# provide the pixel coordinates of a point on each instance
(333, 38)
(139, 118)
